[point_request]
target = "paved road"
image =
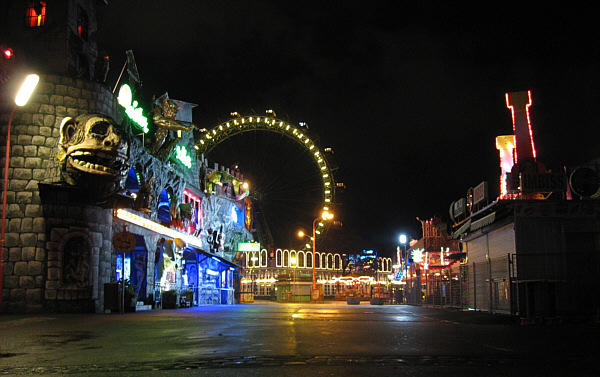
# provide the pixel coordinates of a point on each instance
(293, 340)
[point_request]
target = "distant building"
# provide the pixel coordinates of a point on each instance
(286, 275)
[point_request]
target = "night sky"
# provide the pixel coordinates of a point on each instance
(410, 99)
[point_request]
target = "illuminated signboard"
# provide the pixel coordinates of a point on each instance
(134, 113)
(248, 246)
(183, 156)
(458, 209)
(480, 193)
(543, 182)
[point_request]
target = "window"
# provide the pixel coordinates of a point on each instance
(82, 23)
(164, 205)
(36, 13)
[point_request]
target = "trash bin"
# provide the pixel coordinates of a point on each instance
(111, 296)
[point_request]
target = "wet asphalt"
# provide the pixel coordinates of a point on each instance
(270, 339)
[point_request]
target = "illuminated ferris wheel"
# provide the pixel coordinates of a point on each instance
(302, 174)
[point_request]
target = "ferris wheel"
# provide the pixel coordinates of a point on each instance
(291, 176)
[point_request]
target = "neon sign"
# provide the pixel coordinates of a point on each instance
(182, 155)
(132, 110)
(249, 246)
(519, 103)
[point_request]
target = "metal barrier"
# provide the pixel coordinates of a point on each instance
(552, 285)
(535, 286)
(446, 288)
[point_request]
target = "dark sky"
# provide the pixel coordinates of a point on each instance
(410, 99)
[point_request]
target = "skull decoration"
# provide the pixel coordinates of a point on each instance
(92, 154)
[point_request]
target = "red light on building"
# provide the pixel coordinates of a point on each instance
(8, 53)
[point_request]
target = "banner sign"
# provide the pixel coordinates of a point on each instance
(249, 246)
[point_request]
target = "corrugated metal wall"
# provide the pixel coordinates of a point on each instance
(488, 269)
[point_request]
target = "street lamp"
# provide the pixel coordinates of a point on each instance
(324, 216)
(21, 99)
(404, 267)
(402, 240)
(301, 234)
(293, 265)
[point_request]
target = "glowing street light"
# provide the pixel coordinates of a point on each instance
(21, 99)
(324, 216)
(404, 264)
(293, 264)
(301, 234)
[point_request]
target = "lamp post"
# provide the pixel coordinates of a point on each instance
(21, 99)
(402, 240)
(324, 216)
(293, 265)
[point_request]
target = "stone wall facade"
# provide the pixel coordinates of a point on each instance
(39, 227)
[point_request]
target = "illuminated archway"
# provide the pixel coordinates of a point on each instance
(235, 126)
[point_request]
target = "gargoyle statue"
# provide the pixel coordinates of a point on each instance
(164, 114)
(93, 155)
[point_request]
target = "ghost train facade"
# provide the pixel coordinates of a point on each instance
(89, 202)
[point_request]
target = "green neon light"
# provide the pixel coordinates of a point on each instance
(134, 113)
(183, 156)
